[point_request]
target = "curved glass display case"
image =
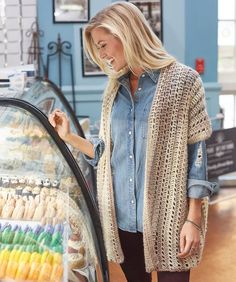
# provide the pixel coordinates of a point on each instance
(50, 227)
(46, 96)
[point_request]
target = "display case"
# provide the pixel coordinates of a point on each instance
(46, 96)
(50, 227)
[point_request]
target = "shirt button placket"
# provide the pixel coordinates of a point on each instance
(131, 179)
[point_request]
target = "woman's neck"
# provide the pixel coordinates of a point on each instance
(133, 77)
(135, 74)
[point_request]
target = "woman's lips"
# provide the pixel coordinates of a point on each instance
(109, 62)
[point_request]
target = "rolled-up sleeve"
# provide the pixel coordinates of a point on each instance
(198, 186)
(98, 148)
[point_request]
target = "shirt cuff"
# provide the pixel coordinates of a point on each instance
(198, 189)
(98, 148)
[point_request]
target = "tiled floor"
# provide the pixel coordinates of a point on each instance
(219, 258)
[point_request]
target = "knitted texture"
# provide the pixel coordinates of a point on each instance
(178, 116)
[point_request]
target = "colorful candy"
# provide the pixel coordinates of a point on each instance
(57, 272)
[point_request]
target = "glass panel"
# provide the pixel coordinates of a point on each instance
(226, 59)
(46, 98)
(46, 229)
(227, 103)
(226, 33)
(226, 9)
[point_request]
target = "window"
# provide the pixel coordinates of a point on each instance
(228, 104)
(227, 60)
(17, 16)
(226, 36)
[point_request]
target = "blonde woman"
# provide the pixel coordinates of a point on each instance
(152, 188)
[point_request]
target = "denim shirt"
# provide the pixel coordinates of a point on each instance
(129, 121)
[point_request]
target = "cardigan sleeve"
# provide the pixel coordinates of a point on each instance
(199, 126)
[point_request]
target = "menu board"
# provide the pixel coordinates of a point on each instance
(221, 152)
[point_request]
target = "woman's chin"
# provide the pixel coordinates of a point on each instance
(118, 68)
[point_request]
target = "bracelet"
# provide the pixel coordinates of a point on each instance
(198, 227)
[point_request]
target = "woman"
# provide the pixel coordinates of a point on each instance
(152, 188)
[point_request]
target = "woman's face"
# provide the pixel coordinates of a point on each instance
(109, 47)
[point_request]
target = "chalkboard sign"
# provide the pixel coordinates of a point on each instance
(221, 152)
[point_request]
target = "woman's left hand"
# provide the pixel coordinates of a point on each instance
(189, 240)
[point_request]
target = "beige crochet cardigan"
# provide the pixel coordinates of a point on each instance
(178, 117)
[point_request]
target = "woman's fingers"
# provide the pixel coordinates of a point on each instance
(60, 122)
(194, 249)
(51, 119)
(188, 248)
(57, 117)
(182, 243)
(189, 241)
(56, 111)
(185, 249)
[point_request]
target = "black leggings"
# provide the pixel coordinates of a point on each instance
(134, 266)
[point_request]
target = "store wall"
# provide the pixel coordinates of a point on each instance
(174, 28)
(201, 42)
(190, 31)
(88, 90)
(201, 36)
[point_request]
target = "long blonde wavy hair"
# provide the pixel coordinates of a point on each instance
(142, 48)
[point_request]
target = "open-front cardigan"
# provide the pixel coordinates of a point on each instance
(178, 117)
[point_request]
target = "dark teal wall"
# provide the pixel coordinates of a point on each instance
(201, 35)
(51, 31)
(69, 32)
(174, 28)
(201, 42)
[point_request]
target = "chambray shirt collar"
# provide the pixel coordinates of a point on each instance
(153, 74)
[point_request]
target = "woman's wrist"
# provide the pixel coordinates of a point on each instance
(197, 218)
(195, 211)
(196, 225)
(67, 138)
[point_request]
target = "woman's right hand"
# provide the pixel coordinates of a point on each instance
(61, 123)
